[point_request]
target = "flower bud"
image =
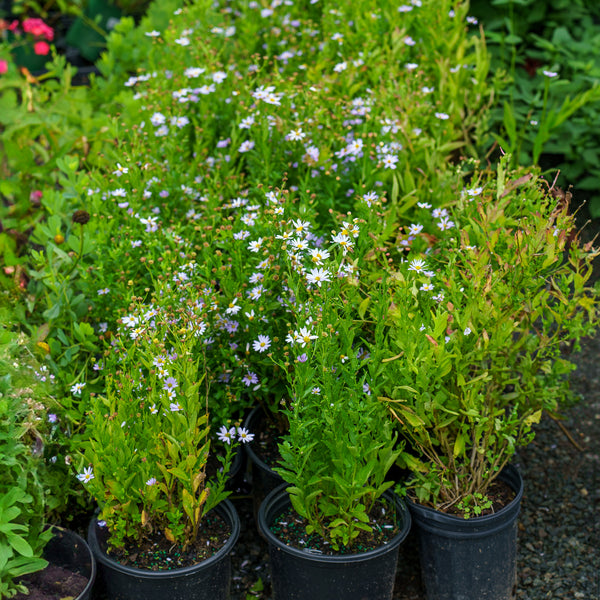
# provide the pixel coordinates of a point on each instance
(59, 238)
(81, 217)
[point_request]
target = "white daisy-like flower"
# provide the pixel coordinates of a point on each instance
(246, 146)
(300, 245)
(120, 170)
(255, 245)
(233, 307)
(244, 435)
(344, 241)
(226, 435)
(87, 475)
(318, 276)
(158, 119)
(318, 256)
(350, 229)
(262, 343)
(417, 264)
(389, 161)
(193, 72)
(295, 135)
(77, 388)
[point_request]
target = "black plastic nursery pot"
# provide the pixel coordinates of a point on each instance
(207, 580)
(468, 559)
(70, 551)
(264, 478)
(235, 477)
(300, 574)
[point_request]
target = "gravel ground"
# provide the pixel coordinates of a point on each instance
(559, 525)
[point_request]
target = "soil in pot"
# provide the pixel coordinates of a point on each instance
(158, 553)
(53, 583)
(290, 528)
(70, 573)
(500, 494)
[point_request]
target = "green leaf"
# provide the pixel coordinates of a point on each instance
(412, 419)
(534, 418)
(510, 125)
(395, 188)
(513, 39)
(298, 505)
(459, 445)
(23, 566)
(53, 312)
(362, 308)
(20, 544)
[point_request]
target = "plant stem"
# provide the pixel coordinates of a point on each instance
(79, 255)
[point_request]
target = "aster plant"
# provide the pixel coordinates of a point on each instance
(148, 437)
(340, 444)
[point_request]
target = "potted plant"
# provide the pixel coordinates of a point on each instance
(481, 313)
(333, 528)
(33, 555)
(165, 526)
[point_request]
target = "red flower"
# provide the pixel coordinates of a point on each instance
(3, 67)
(38, 28)
(41, 48)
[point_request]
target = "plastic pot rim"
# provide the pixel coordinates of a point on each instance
(280, 492)
(92, 577)
(230, 515)
(484, 525)
(248, 447)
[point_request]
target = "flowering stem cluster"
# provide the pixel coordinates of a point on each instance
(340, 444)
(149, 434)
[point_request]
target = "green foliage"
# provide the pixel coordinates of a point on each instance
(146, 444)
(473, 505)
(22, 493)
(340, 444)
(213, 158)
(45, 124)
(541, 119)
(32, 7)
(475, 365)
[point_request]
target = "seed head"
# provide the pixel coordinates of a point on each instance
(81, 217)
